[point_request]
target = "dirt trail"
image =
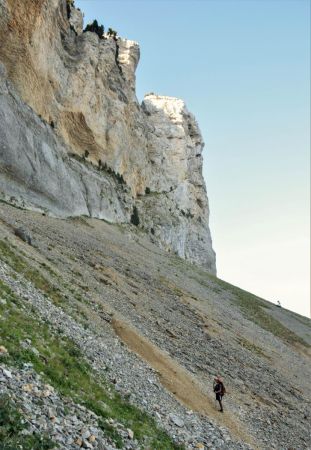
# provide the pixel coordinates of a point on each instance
(178, 380)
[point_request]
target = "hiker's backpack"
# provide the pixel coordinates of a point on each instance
(223, 389)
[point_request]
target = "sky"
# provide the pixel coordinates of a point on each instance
(243, 68)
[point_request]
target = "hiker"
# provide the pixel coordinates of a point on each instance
(219, 390)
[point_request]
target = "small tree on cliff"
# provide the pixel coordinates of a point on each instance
(112, 33)
(95, 28)
(134, 217)
(69, 4)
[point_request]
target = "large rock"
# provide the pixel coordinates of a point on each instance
(175, 146)
(81, 94)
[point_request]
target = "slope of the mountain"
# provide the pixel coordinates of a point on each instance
(97, 303)
(74, 140)
(108, 337)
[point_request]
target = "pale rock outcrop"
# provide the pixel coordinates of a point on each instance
(83, 89)
(128, 58)
(175, 146)
(75, 17)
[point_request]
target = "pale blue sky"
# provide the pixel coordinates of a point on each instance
(243, 68)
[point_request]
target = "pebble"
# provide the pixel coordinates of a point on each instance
(130, 433)
(3, 350)
(176, 420)
(7, 373)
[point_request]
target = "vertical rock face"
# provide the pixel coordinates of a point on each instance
(176, 183)
(83, 89)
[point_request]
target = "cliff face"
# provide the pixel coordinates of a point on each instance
(74, 139)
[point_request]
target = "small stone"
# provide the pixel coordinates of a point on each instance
(35, 351)
(23, 235)
(49, 387)
(130, 433)
(46, 393)
(200, 446)
(86, 435)
(51, 413)
(7, 373)
(176, 420)
(79, 442)
(3, 350)
(27, 387)
(92, 438)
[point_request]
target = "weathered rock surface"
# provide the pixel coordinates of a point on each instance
(176, 146)
(74, 94)
(37, 172)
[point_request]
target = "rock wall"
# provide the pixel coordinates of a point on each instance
(80, 143)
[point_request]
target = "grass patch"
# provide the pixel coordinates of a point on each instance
(245, 343)
(253, 309)
(12, 429)
(63, 366)
(175, 290)
(34, 276)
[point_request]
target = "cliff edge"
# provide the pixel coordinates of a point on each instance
(75, 141)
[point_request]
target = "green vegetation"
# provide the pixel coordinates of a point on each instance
(12, 428)
(104, 167)
(63, 366)
(245, 343)
(134, 217)
(112, 33)
(95, 28)
(69, 4)
(254, 308)
(31, 274)
(187, 214)
(101, 167)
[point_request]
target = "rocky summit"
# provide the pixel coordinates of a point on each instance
(113, 324)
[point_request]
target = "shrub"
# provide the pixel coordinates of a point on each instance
(134, 217)
(69, 4)
(95, 28)
(112, 33)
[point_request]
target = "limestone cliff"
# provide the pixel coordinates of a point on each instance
(74, 139)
